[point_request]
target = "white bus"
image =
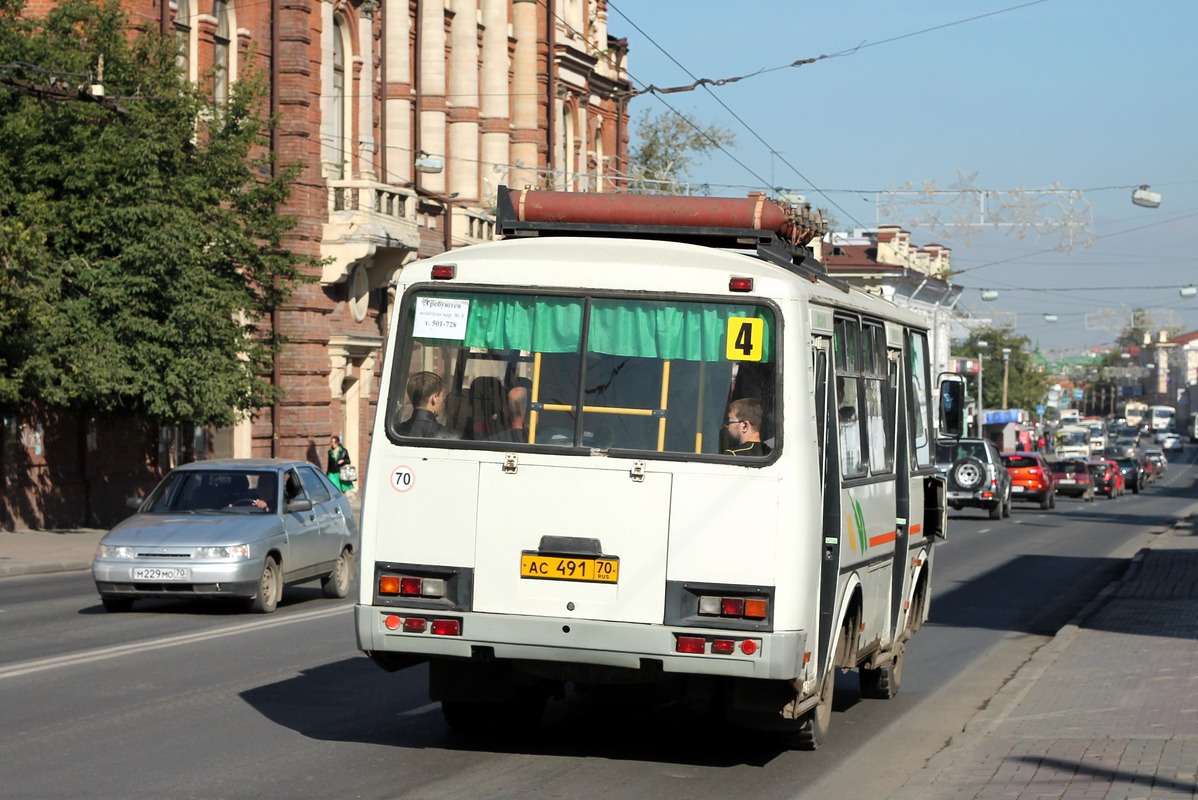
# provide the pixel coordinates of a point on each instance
(605, 533)
(1161, 417)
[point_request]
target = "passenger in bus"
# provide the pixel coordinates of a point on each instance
(744, 428)
(517, 401)
(426, 390)
(486, 408)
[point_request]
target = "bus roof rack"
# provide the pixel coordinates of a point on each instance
(779, 235)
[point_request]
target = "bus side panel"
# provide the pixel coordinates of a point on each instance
(868, 518)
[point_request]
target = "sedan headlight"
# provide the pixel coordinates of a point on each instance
(116, 551)
(234, 552)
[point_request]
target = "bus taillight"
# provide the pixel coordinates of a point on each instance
(411, 586)
(734, 607)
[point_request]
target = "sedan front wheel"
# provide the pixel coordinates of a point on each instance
(270, 587)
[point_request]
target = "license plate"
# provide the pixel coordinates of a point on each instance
(569, 568)
(161, 574)
(1016, 489)
(1066, 480)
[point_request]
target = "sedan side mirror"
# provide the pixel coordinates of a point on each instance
(134, 502)
(296, 506)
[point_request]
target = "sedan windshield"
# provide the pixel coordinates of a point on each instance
(213, 490)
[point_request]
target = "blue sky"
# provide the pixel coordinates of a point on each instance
(1093, 96)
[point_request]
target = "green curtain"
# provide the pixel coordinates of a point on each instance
(640, 329)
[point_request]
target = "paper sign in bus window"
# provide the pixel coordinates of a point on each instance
(746, 339)
(441, 318)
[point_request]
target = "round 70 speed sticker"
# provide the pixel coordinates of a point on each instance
(403, 479)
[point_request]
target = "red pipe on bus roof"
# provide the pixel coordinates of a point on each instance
(757, 213)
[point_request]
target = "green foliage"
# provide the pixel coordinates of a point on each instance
(1142, 325)
(1026, 386)
(669, 145)
(139, 238)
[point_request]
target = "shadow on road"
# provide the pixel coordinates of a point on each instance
(354, 701)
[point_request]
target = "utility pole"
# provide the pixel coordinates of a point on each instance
(1006, 366)
(980, 414)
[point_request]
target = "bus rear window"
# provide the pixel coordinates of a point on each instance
(601, 373)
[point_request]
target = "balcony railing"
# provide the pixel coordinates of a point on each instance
(378, 198)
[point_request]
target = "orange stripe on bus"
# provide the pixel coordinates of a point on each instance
(882, 538)
(915, 529)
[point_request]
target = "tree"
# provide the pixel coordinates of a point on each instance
(1026, 387)
(670, 144)
(140, 239)
(1133, 333)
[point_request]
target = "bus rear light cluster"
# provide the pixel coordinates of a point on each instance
(437, 626)
(734, 607)
(702, 645)
(411, 586)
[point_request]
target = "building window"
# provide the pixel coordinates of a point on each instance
(222, 59)
(183, 37)
(338, 108)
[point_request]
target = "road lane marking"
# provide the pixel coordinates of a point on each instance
(118, 651)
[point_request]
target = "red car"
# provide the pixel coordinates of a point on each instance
(1073, 478)
(1108, 478)
(1031, 478)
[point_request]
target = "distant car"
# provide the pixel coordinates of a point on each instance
(1172, 444)
(1133, 473)
(230, 528)
(1108, 480)
(976, 475)
(1124, 447)
(1031, 478)
(1073, 478)
(1130, 432)
(1159, 459)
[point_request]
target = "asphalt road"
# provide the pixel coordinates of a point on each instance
(183, 700)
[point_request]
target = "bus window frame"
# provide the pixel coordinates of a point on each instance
(397, 373)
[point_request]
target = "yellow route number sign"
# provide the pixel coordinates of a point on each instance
(746, 339)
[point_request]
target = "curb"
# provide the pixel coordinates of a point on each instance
(42, 568)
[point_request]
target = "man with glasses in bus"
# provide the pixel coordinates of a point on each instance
(744, 428)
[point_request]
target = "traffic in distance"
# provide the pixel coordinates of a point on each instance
(1081, 458)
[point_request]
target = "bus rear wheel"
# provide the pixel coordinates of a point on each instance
(813, 730)
(882, 683)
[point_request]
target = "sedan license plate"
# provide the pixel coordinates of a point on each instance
(161, 574)
(1066, 480)
(1016, 488)
(570, 568)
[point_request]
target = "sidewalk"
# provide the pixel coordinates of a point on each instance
(37, 552)
(1108, 709)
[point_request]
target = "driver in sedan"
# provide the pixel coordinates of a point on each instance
(268, 490)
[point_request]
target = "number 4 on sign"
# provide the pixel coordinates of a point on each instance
(746, 339)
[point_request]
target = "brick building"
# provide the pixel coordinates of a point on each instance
(406, 115)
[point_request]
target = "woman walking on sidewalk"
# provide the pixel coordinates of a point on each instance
(338, 457)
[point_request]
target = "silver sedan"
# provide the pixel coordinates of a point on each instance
(230, 528)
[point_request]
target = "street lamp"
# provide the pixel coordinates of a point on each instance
(980, 414)
(1006, 367)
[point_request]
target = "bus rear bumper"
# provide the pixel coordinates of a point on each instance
(774, 655)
